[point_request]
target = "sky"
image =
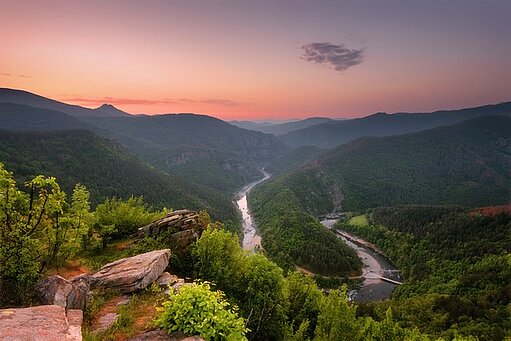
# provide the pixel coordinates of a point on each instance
(256, 60)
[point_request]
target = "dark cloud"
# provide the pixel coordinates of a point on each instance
(336, 57)
(5, 74)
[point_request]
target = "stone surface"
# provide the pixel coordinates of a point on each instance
(56, 290)
(161, 335)
(181, 228)
(166, 279)
(133, 273)
(179, 220)
(45, 322)
(105, 322)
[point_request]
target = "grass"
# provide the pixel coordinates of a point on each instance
(133, 318)
(360, 220)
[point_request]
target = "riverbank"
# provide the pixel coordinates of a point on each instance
(251, 237)
(375, 266)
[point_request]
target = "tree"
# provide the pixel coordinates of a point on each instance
(25, 220)
(196, 309)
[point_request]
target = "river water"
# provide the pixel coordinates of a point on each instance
(374, 265)
(251, 238)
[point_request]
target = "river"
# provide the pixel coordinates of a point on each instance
(374, 266)
(251, 238)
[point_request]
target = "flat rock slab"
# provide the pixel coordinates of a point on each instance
(45, 322)
(133, 273)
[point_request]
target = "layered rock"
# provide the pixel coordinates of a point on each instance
(56, 290)
(182, 228)
(133, 273)
(46, 322)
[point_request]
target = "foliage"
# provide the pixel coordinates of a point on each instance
(456, 266)
(196, 309)
(293, 237)
(252, 282)
(106, 169)
(465, 164)
(117, 218)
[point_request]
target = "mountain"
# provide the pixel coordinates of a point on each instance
(280, 128)
(27, 98)
(293, 159)
(333, 133)
(18, 117)
(104, 166)
(466, 164)
(200, 148)
(110, 110)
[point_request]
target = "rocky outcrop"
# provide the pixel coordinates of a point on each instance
(56, 290)
(182, 228)
(46, 322)
(133, 273)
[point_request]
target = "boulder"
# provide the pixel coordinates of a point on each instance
(45, 322)
(182, 229)
(178, 220)
(56, 290)
(166, 279)
(133, 273)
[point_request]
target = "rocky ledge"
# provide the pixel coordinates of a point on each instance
(45, 322)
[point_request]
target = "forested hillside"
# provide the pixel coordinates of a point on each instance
(18, 117)
(335, 133)
(466, 164)
(293, 237)
(200, 148)
(456, 265)
(106, 169)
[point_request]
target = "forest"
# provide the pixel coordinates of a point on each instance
(456, 266)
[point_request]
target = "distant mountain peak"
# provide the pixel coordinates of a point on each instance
(109, 109)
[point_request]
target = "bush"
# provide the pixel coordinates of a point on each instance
(198, 310)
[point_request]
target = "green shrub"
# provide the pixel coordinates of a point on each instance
(198, 310)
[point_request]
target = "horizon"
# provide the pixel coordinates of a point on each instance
(261, 61)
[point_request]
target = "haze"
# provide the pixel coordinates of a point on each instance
(260, 59)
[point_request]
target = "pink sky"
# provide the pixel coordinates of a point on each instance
(260, 59)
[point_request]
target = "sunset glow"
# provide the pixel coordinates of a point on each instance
(260, 59)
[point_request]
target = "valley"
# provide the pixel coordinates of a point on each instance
(414, 197)
(251, 237)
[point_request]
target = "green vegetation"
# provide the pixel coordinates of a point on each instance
(197, 310)
(41, 229)
(106, 169)
(466, 164)
(293, 237)
(294, 159)
(359, 220)
(201, 149)
(456, 264)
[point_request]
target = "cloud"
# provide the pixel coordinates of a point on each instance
(117, 101)
(138, 101)
(5, 74)
(336, 57)
(215, 101)
(24, 76)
